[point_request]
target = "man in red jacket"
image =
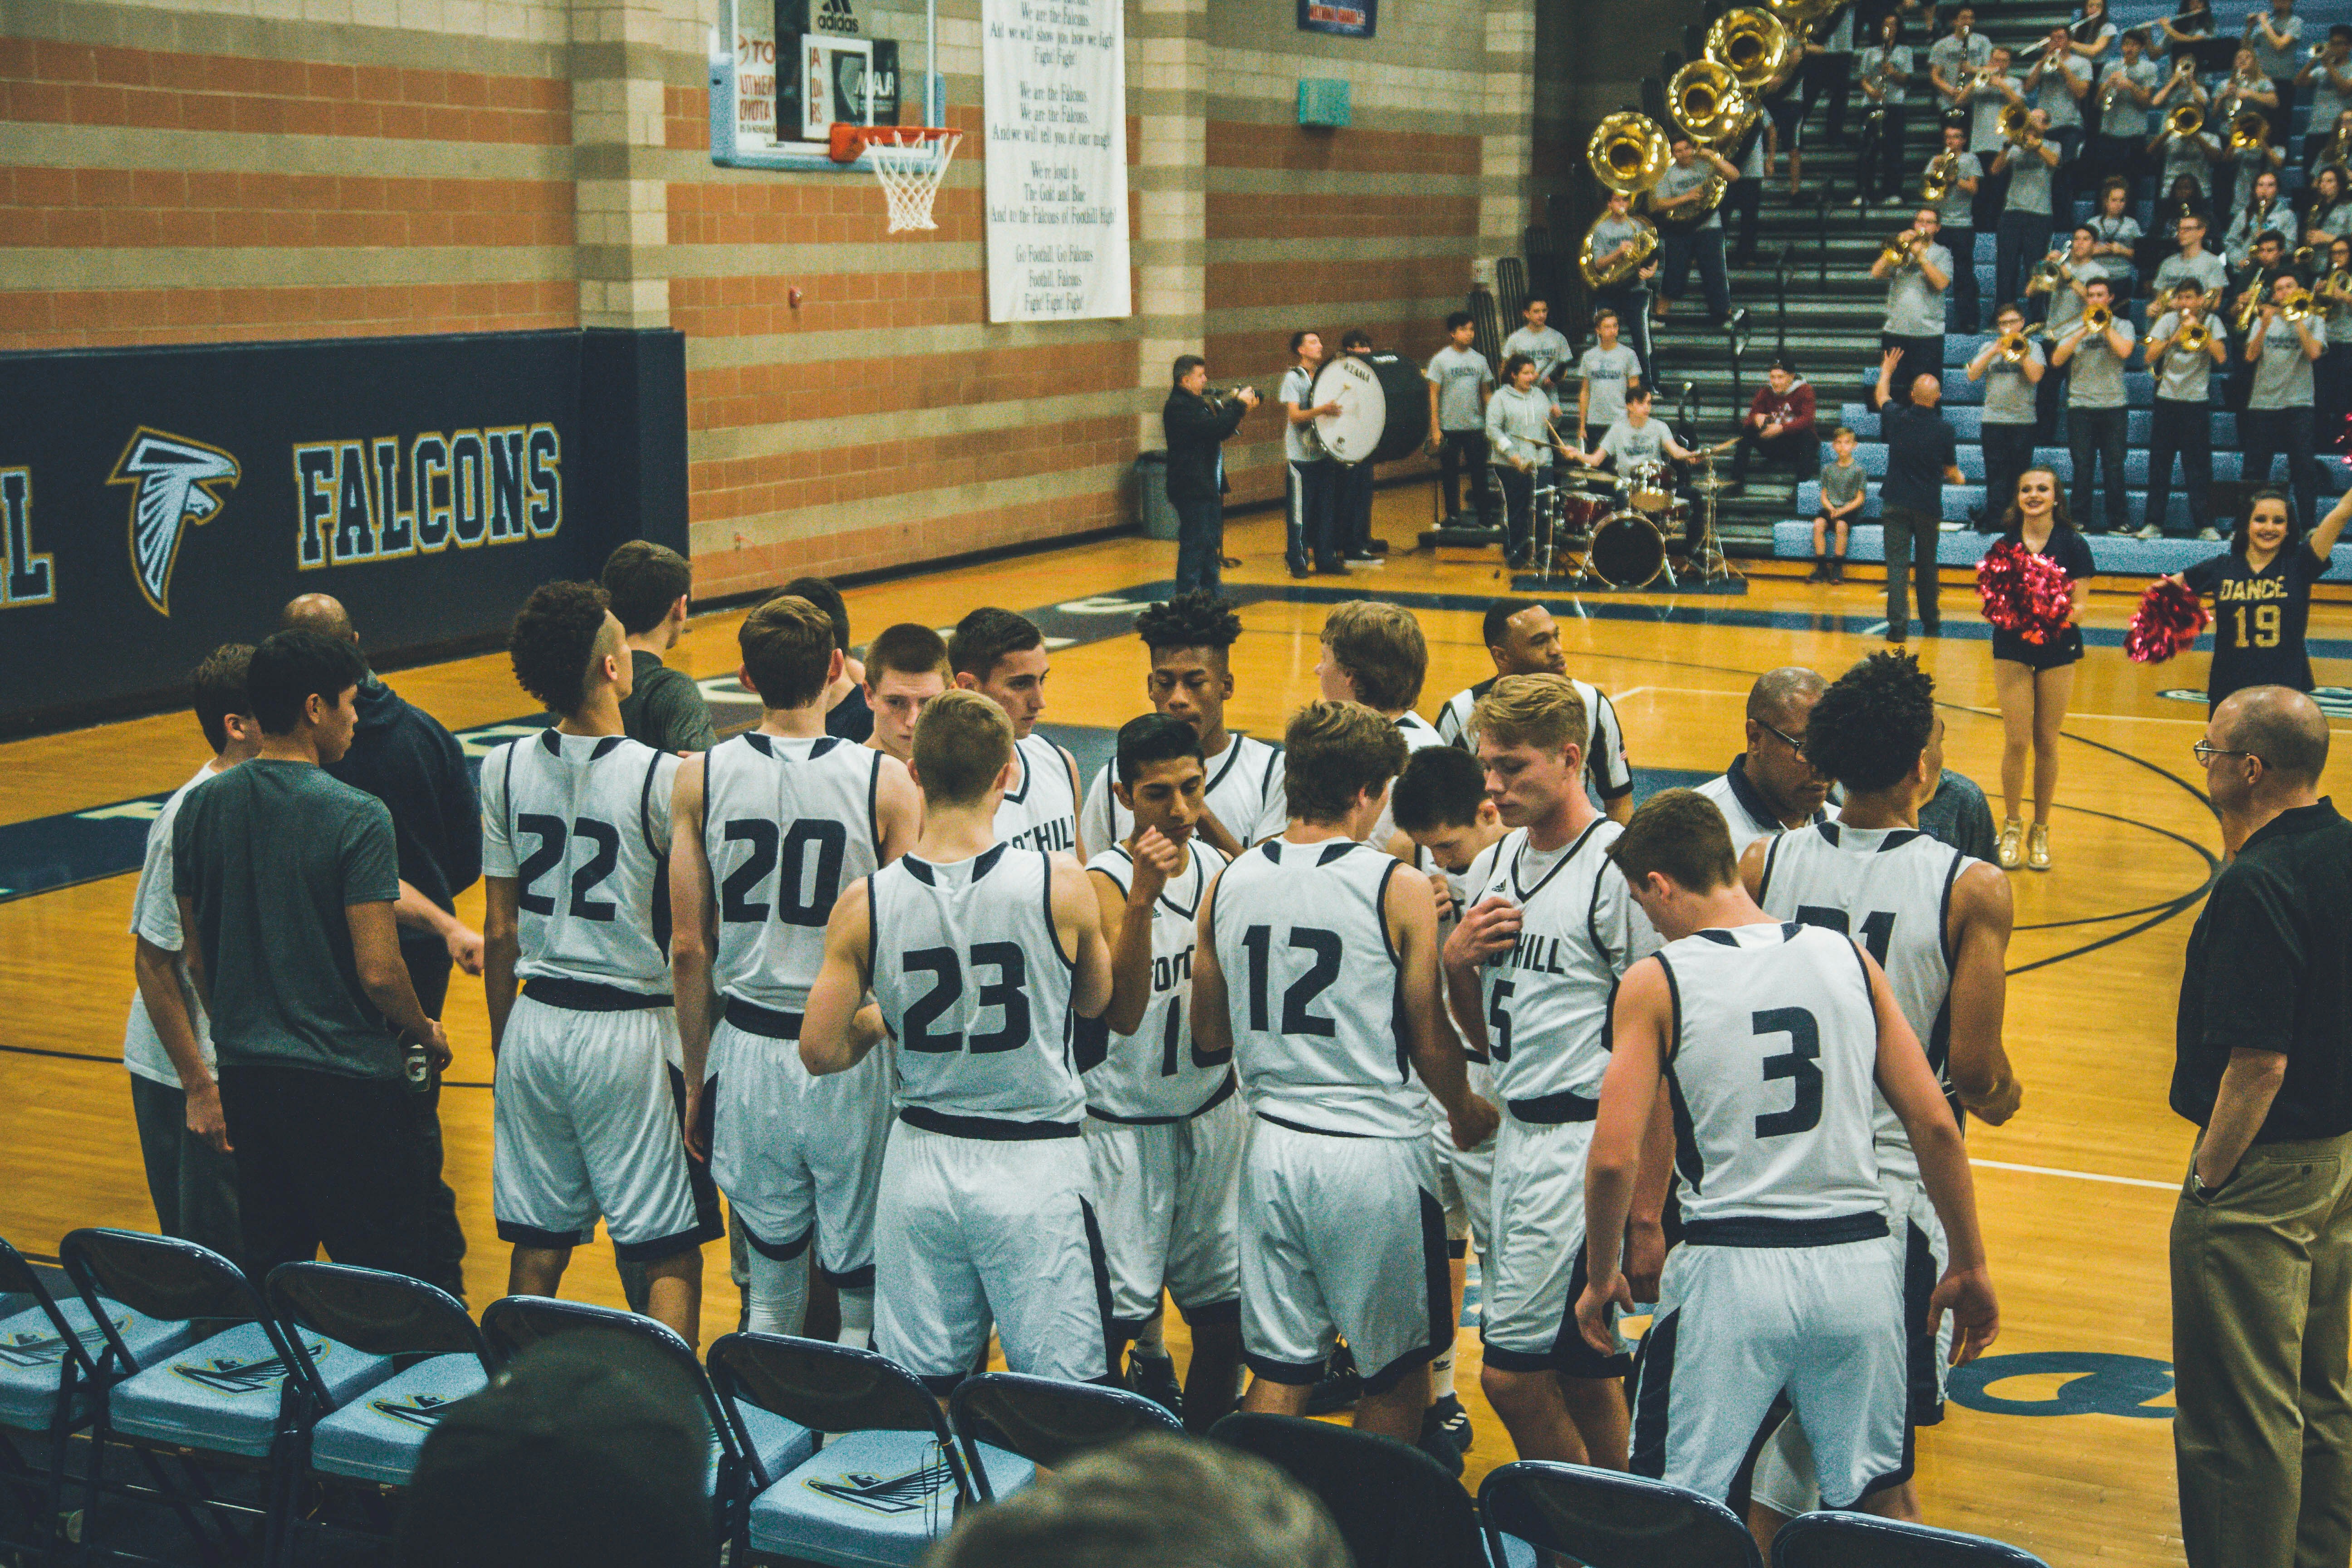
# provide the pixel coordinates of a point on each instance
(1780, 424)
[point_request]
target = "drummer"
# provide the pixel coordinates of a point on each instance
(1520, 445)
(1637, 439)
(1607, 369)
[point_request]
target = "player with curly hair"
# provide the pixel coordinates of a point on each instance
(575, 824)
(1190, 638)
(1937, 921)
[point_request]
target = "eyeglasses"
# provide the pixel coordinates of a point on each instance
(2205, 752)
(1794, 742)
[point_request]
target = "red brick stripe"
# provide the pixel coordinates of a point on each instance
(91, 208)
(788, 481)
(106, 317)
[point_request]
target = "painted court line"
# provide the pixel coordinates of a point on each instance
(2078, 1175)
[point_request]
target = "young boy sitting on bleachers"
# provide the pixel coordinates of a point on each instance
(1843, 486)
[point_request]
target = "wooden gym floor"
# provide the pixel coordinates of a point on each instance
(2076, 1192)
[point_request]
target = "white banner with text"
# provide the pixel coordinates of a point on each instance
(1055, 79)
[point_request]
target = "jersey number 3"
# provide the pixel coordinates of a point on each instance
(1799, 1063)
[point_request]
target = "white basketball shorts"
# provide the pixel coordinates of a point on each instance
(1466, 1177)
(1169, 1196)
(1536, 1269)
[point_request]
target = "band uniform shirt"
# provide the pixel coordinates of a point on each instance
(155, 916)
(1915, 308)
(271, 855)
(2279, 64)
(2009, 395)
(2098, 371)
(2267, 970)
(2181, 376)
(664, 709)
(1955, 57)
(2259, 617)
(1609, 373)
(2193, 156)
(2028, 184)
(2328, 101)
(2339, 328)
(1958, 210)
(1679, 180)
(2283, 376)
(1897, 61)
(1518, 424)
(1626, 445)
(1609, 232)
(1298, 387)
(1542, 344)
(1986, 102)
(2052, 96)
(2238, 245)
(2123, 230)
(1919, 448)
(2066, 307)
(1842, 483)
(2125, 117)
(1458, 374)
(2207, 270)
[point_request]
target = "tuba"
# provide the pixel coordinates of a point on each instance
(1754, 47)
(2184, 122)
(1706, 100)
(1627, 152)
(1609, 274)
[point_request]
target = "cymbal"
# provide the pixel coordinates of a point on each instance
(1709, 483)
(1588, 475)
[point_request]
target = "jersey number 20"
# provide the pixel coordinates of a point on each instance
(829, 839)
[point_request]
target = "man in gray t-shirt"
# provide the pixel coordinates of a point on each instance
(1459, 381)
(2182, 423)
(1606, 371)
(1685, 237)
(2095, 417)
(2278, 413)
(286, 880)
(2025, 221)
(1914, 299)
(2010, 410)
(2329, 77)
(1540, 342)
(1956, 219)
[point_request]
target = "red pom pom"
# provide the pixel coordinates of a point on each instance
(2169, 618)
(2023, 593)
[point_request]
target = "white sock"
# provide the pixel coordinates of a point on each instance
(776, 1301)
(1441, 1374)
(857, 1318)
(1149, 1340)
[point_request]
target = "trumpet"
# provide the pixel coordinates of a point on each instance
(2251, 307)
(2248, 130)
(1897, 252)
(2336, 290)
(2184, 122)
(1937, 184)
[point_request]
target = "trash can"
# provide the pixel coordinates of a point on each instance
(1151, 502)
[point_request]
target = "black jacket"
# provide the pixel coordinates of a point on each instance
(402, 756)
(1196, 427)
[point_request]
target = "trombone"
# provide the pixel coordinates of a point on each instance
(2248, 131)
(2013, 344)
(2298, 306)
(2047, 276)
(2193, 336)
(1942, 174)
(2184, 122)
(2096, 319)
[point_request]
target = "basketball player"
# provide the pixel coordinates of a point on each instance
(764, 829)
(1164, 1130)
(1769, 787)
(1190, 639)
(906, 667)
(1373, 653)
(979, 954)
(1548, 931)
(1522, 638)
(575, 825)
(1317, 967)
(1784, 1282)
(1001, 656)
(1938, 922)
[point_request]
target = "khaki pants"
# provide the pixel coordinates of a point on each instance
(2261, 1313)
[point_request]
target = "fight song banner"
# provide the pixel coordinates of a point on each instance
(157, 502)
(1055, 110)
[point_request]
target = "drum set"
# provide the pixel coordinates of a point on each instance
(1624, 531)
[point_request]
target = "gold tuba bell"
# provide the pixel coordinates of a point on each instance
(1754, 47)
(1706, 100)
(1802, 17)
(2185, 122)
(1628, 152)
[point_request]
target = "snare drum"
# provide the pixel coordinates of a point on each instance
(1628, 550)
(1649, 487)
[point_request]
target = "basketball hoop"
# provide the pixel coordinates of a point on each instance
(908, 160)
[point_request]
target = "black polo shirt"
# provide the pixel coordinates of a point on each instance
(1919, 447)
(2269, 968)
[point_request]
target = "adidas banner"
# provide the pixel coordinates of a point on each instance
(157, 502)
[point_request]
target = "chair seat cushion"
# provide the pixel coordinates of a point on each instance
(871, 1498)
(32, 1357)
(222, 1395)
(782, 1445)
(376, 1437)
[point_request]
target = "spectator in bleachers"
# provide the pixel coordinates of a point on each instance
(1828, 71)
(1985, 95)
(1914, 326)
(2264, 211)
(1886, 71)
(2331, 398)
(2126, 91)
(2279, 405)
(2066, 285)
(2012, 366)
(1956, 220)
(1778, 424)
(1920, 460)
(2327, 78)
(2091, 33)
(2273, 39)
(1618, 228)
(2030, 169)
(2183, 422)
(1680, 187)
(2262, 596)
(2330, 212)
(2057, 85)
(2248, 95)
(1953, 56)
(2116, 235)
(2097, 420)
(2193, 157)
(1845, 486)
(2036, 680)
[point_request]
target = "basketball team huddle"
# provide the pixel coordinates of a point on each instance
(1273, 1032)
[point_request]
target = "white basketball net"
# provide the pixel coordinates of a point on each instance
(910, 171)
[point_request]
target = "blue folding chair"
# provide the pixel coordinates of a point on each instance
(374, 1440)
(1606, 1519)
(1394, 1505)
(1045, 1422)
(1833, 1538)
(741, 1452)
(888, 1480)
(224, 1396)
(54, 1367)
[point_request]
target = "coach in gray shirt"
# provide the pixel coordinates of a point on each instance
(1915, 301)
(2095, 417)
(2278, 409)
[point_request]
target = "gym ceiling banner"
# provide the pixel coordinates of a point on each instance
(1054, 86)
(157, 502)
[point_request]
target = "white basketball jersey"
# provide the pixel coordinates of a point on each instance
(1891, 889)
(1311, 982)
(975, 987)
(787, 822)
(1156, 1072)
(1039, 811)
(1245, 788)
(1773, 1075)
(1606, 764)
(1418, 736)
(580, 823)
(1546, 1001)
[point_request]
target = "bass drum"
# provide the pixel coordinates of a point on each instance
(1354, 433)
(1407, 390)
(1628, 550)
